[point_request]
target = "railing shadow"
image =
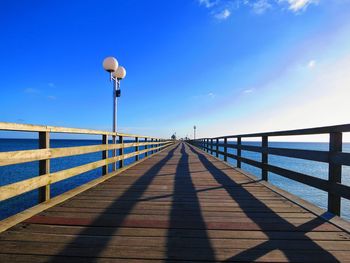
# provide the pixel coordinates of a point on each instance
(132, 195)
(178, 219)
(236, 191)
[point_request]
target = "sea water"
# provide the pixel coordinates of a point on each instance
(312, 168)
(19, 172)
(15, 173)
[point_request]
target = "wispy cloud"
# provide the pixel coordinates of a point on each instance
(298, 5)
(31, 91)
(311, 64)
(51, 97)
(38, 93)
(51, 84)
(261, 6)
(247, 91)
(224, 14)
(211, 95)
(207, 3)
(222, 9)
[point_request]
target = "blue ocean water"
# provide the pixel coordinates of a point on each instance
(14, 173)
(18, 172)
(312, 168)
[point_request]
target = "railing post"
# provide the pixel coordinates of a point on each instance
(239, 152)
(264, 157)
(225, 149)
(146, 147)
(217, 148)
(334, 172)
(114, 152)
(152, 146)
(121, 151)
(136, 148)
(44, 166)
(211, 146)
(105, 154)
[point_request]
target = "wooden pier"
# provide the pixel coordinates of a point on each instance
(180, 204)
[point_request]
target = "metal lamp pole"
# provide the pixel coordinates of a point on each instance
(117, 73)
(114, 105)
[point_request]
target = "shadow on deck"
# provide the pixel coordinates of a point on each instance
(179, 205)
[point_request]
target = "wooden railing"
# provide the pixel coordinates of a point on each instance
(334, 157)
(44, 154)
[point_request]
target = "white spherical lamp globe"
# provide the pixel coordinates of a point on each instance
(110, 64)
(120, 73)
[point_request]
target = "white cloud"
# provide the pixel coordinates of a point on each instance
(211, 95)
(311, 64)
(224, 14)
(313, 104)
(298, 5)
(207, 3)
(51, 97)
(247, 91)
(257, 6)
(261, 6)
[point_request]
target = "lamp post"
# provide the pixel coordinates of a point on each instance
(116, 74)
(194, 132)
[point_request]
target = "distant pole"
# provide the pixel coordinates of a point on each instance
(194, 132)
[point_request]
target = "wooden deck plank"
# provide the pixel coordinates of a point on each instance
(245, 243)
(181, 204)
(156, 232)
(264, 254)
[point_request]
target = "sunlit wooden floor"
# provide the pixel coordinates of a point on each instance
(179, 205)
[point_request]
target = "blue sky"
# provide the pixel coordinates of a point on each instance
(228, 66)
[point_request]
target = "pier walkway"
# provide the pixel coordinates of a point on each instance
(181, 204)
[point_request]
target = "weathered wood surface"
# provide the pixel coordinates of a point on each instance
(16, 157)
(9, 126)
(179, 205)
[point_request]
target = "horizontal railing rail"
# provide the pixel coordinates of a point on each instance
(309, 131)
(10, 126)
(45, 154)
(334, 157)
